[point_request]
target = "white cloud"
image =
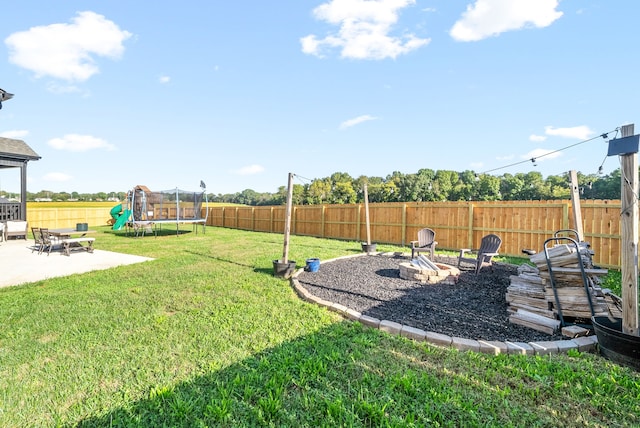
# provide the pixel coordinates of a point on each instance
(542, 154)
(504, 158)
(578, 132)
(537, 138)
(56, 88)
(250, 170)
(486, 18)
(356, 120)
(364, 30)
(79, 143)
(164, 79)
(67, 51)
(16, 134)
(57, 177)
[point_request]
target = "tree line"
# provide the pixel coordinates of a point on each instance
(426, 185)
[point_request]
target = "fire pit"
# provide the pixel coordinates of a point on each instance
(434, 273)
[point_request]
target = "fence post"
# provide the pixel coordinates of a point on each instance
(295, 214)
(322, 233)
(271, 220)
(253, 219)
(470, 226)
(404, 224)
(359, 213)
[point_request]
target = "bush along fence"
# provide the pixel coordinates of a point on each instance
(520, 224)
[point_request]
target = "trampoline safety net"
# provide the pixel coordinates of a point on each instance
(166, 205)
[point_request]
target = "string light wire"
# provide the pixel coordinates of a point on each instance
(604, 135)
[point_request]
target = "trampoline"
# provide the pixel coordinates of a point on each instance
(147, 211)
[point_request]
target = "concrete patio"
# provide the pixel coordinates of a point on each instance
(19, 264)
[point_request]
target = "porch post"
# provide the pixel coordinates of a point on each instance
(23, 191)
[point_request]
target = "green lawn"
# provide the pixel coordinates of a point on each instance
(206, 336)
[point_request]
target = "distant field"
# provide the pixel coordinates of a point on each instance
(97, 204)
(74, 204)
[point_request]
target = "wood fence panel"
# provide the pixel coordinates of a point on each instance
(263, 219)
(386, 223)
(342, 222)
(419, 216)
(215, 216)
(448, 220)
(279, 214)
(309, 220)
(230, 217)
(245, 218)
(54, 218)
(601, 223)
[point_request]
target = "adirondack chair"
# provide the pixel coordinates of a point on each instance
(426, 242)
(489, 247)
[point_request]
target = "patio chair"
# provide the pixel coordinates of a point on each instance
(37, 239)
(489, 247)
(16, 228)
(426, 242)
(47, 242)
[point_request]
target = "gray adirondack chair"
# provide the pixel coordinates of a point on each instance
(489, 247)
(426, 242)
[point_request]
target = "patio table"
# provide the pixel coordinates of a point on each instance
(69, 237)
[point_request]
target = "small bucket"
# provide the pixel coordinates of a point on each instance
(313, 265)
(82, 227)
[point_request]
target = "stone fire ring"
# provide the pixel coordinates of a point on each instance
(445, 274)
(582, 344)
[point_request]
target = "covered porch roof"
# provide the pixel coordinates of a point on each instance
(16, 154)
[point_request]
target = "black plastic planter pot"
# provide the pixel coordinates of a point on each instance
(615, 345)
(284, 270)
(368, 248)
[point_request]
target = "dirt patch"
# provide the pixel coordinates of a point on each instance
(474, 308)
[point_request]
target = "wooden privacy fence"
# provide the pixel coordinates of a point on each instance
(520, 224)
(57, 217)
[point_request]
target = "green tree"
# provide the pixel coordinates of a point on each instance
(319, 192)
(464, 189)
(511, 186)
(342, 191)
(558, 187)
(487, 188)
(443, 184)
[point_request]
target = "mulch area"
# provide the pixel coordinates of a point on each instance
(474, 308)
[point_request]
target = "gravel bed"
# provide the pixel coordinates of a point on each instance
(474, 308)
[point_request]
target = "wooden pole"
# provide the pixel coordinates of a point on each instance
(287, 223)
(366, 213)
(575, 203)
(629, 253)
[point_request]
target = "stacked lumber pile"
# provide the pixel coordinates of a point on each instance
(531, 299)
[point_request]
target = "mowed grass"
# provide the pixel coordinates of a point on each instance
(204, 335)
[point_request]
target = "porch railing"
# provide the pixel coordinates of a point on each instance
(10, 211)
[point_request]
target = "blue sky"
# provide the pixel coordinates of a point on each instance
(238, 94)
